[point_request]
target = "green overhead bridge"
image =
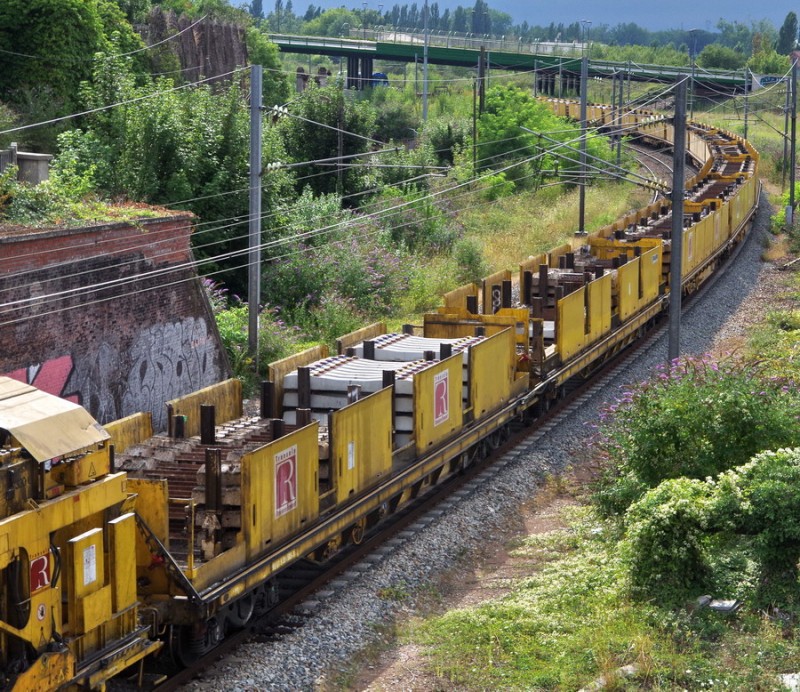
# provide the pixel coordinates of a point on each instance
(464, 51)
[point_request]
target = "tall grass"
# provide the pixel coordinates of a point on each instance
(513, 228)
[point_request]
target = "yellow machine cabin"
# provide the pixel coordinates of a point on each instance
(68, 605)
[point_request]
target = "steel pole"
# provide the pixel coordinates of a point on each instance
(582, 189)
(793, 160)
(786, 109)
(746, 103)
(425, 67)
(676, 249)
(254, 228)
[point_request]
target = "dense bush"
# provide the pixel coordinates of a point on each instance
(695, 419)
(416, 222)
(666, 540)
(354, 267)
(447, 136)
(688, 536)
(761, 499)
(395, 116)
(276, 338)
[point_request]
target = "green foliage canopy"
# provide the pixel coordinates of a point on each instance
(718, 56)
(787, 35)
(311, 133)
(52, 42)
(694, 420)
(503, 137)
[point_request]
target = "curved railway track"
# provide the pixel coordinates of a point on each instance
(299, 608)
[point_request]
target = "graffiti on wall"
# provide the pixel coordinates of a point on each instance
(166, 361)
(51, 376)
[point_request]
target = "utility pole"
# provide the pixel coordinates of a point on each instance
(676, 249)
(482, 80)
(425, 66)
(786, 109)
(621, 104)
(475, 129)
(340, 145)
(793, 162)
(254, 228)
(746, 103)
(584, 97)
(693, 57)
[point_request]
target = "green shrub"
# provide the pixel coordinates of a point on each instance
(761, 499)
(665, 545)
(448, 136)
(276, 338)
(695, 419)
(332, 317)
(778, 219)
(497, 186)
(428, 280)
(472, 266)
(417, 223)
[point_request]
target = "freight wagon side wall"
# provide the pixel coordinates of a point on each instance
(145, 337)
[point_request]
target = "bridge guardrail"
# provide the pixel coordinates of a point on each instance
(367, 39)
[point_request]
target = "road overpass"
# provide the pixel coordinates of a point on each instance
(555, 61)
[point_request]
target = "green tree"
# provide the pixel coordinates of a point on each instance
(320, 112)
(504, 137)
(460, 20)
(51, 43)
(187, 149)
(262, 51)
(135, 10)
(787, 35)
(717, 56)
(396, 117)
(766, 60)
(481, 19)
(335, 22)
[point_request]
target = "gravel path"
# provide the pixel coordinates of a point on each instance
(351, 619)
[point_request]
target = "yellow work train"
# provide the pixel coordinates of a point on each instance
(188, 537)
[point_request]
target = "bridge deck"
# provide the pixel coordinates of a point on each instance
(464, 51)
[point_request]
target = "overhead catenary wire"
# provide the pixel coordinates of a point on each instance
(241, 220)
(236, 253)
(218, 224)
(560, 144)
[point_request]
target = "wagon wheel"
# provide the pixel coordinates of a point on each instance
(357, 531)
(242, 610)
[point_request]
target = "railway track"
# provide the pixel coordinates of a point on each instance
(311, 583)
(211, 530)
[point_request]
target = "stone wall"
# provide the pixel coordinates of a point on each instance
(207, 49)
(113, 317)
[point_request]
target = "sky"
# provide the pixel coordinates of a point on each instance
(664, 14)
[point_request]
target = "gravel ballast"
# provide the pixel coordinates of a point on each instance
(351, 618)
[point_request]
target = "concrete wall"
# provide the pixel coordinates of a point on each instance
(113, 317)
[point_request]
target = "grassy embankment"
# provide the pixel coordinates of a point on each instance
(510, 229)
